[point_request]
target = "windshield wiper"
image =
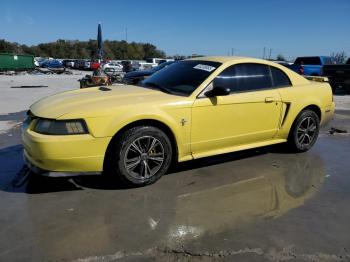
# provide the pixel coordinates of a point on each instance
(160, 88)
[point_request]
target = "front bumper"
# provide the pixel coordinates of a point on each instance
(64, 155)
(39, 171)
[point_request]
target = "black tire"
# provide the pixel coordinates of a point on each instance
(301, 141)
(123, 150)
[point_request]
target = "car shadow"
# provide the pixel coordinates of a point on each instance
(108, 183)
(216, 160)
(16, 177)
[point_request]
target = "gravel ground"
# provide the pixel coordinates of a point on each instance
(257, 205)
(16, 100)
(342, 102)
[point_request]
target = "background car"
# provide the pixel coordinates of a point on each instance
(79, 64)
(311, 65)
(157, 61)
(339, 76)
(115, 66)
(284, 63)
(68, 63)
(87, 65)
(94, 65)
(135, 77)
(52, 64)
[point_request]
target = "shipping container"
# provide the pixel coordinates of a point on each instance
(16, 62)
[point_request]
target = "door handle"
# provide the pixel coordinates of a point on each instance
(269, 99)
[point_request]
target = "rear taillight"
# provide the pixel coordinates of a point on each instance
(301, 70)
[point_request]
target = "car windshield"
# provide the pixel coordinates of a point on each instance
(181, 78)
(162, 65)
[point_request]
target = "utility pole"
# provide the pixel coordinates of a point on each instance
(232, 51)
(264, 53)
(126, 34)
(270, 53)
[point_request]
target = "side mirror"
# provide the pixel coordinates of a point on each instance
(218, 91)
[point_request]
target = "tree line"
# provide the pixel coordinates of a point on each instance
(76, 49)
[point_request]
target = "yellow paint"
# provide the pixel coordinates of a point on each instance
(212, 125)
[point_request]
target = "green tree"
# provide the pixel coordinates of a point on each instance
(152, 51)
(84, 49)
(339, 57)
(280, 58)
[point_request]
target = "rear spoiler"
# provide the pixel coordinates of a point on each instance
(317, 78)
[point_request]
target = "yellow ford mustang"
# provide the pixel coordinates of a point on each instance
(190, 109)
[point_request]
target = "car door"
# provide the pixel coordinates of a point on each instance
(249, 114)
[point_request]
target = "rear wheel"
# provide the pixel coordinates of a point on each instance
(141, 155)
(304, 132)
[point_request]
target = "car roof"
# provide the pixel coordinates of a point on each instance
(297, 79)
(220, 59)
(224, 59)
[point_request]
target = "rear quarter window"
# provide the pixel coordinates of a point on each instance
(279, 78)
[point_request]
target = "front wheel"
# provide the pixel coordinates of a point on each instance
(141, 155)
(304, 132)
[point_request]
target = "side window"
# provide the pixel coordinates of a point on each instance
(245, 77)
(226, 79)
(279, 78)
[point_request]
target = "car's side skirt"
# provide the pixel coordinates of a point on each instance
(238, 148)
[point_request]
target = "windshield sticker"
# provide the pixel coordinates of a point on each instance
(204, 67)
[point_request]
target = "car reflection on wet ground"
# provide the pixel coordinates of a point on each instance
(256, 205)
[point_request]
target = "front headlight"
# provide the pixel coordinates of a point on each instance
(60, 127)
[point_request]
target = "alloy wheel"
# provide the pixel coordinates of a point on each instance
(144, 157)
(306, 131)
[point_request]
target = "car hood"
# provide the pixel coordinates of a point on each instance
(99, 101)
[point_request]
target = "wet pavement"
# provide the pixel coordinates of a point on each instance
(257, 205)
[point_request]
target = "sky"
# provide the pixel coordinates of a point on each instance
(221, 27)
